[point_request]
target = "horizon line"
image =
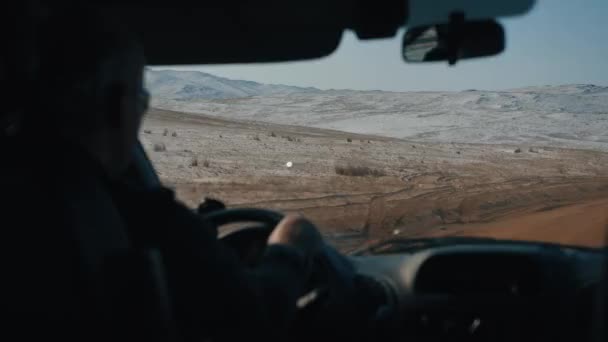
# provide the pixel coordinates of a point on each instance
(168, 68)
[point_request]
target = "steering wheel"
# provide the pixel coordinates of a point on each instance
(249, 242)
(333, 277)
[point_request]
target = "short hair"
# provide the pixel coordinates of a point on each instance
(80, 53)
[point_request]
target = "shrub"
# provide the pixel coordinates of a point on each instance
(272, 134)
(165, 132)
(206, 163)
(290, 138)
(194, 162)
(160, 147)
(358, 171)
(349, 140)
(256, 138)
(147, 131)
(174, 134)
(518, 150)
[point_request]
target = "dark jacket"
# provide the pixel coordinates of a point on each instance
(214, 294)
(61, 215)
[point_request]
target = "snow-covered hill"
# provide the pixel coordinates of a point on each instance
(566, 116)
(192, 85)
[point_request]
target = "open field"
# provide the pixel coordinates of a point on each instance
(360, 188)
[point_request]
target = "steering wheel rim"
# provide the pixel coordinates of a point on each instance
(235, 215)
(247, 242)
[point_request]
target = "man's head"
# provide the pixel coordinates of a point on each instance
(90, 88)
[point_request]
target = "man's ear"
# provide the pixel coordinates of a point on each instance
(116, 104)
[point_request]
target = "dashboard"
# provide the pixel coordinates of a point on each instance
(442, 289)
(486, 292)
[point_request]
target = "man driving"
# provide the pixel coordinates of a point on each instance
(88, 108)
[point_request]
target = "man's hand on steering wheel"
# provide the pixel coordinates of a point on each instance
(297, 232)
(330, 291)
(328, 272)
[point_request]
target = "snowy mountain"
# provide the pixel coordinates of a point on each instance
(192, 85)
(573, 116)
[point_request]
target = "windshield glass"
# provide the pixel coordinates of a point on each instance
(371, 148)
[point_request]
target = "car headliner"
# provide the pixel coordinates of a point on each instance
(242, 31)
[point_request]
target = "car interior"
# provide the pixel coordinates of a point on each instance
(427, 290)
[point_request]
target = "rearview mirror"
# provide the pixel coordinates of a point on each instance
(453, 41)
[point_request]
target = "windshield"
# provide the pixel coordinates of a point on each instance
(371, 148)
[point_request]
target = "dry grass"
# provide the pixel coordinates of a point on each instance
(160, 147)
(358, 171)
(194, 162)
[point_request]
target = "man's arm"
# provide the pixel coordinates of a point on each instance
(213, 293)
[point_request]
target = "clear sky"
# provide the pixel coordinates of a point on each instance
(558, 42)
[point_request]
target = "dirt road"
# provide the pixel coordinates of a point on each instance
(407, 188)
(584, 224)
